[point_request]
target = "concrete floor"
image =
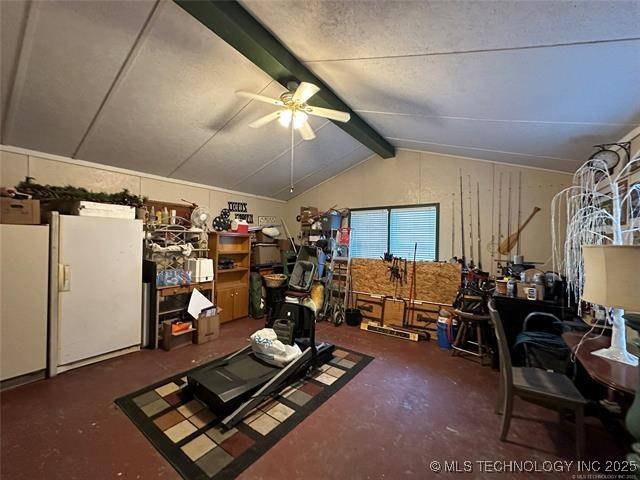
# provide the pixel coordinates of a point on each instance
(412, 405)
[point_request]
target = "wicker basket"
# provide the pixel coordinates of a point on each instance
(274, 280)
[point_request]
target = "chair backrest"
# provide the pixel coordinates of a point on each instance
(543, 322)
(503, 348)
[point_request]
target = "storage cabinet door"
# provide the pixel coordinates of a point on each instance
(241, 303)
(225, 302)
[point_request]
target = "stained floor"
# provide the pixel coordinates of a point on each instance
(414, 404)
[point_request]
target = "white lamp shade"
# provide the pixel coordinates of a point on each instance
(612, 276)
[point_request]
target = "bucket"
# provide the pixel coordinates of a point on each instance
(501, 287)
(446, 334)
(353, 317)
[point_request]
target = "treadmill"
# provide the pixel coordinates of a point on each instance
(236, 384)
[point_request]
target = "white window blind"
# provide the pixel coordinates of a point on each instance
(369, 230)
(395, 230)
(410, 226)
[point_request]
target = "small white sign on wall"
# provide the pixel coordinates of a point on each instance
(267, 220)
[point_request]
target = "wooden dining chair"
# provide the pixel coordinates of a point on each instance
(548, 389)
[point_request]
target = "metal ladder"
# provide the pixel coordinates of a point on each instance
(339, 279)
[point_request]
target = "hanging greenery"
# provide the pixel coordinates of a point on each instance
(49, 192)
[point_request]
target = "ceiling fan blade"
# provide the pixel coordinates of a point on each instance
(304, 92)
(264, 120)
(328, 113)
(306, 131)
(260, 98)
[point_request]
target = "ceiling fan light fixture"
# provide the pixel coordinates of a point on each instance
(285, 117)
(299, 118)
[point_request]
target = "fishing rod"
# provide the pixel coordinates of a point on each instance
(453, 226)
(464, 260)
(499, 219)
(519, 208)
(479, 241)
(471, 256)
(493, 216)
(509, 211)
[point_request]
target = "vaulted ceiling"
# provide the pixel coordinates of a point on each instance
(145, 86)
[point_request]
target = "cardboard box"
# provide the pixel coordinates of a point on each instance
(262, 238)
(266, 254)
(207, 328)
(20, 212)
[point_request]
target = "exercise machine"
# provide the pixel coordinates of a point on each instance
(236, 384)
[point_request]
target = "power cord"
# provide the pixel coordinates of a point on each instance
(584, 338)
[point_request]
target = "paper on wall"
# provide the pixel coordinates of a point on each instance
(197, 303)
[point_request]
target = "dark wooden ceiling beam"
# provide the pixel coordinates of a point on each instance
(236, 26)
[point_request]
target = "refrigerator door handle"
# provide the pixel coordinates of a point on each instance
(64, 277)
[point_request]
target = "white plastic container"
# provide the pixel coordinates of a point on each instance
(201, 269)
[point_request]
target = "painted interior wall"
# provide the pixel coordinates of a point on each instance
(418, 177)
(409, 178)
(16, 164)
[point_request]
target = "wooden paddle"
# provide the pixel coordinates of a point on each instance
(508, 243)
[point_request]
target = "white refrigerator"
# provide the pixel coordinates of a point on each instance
(95, 302)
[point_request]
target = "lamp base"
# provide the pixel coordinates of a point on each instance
(617, 355)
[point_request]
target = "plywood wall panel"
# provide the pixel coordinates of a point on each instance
(435, 282)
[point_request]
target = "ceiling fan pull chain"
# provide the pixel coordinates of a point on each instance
(291, 171)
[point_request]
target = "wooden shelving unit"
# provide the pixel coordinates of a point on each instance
(232, 284)
(168, 303)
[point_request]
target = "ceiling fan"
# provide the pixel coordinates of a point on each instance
(294, 110)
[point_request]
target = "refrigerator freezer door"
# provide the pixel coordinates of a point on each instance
(24, 251)
(101, 310)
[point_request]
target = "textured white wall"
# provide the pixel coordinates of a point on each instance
(15, 164)
(418, 177)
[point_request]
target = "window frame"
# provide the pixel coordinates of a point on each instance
(388, 208)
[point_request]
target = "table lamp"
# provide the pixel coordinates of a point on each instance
(612, 279)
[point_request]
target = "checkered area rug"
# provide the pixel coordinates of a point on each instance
(190, 437)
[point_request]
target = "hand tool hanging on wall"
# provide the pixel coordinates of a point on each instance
(519, 207)
(404, 278)
(413, 290)
(471, 256)
(479, 236)
(507, 245)
(463, 258)
(397, 271)
(396, 274)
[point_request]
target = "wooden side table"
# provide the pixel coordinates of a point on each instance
(617, 376)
